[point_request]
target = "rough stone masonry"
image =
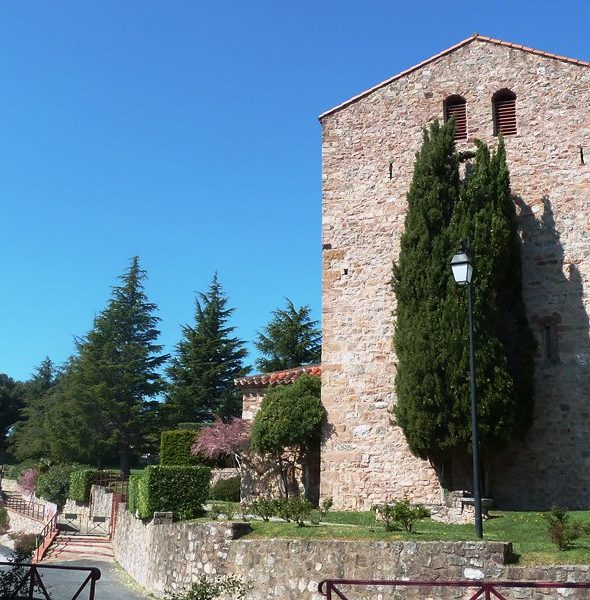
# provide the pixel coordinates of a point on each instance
(369, 144)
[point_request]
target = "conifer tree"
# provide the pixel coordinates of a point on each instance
(29, 440)
(207, 360)
(291, 339)
(421, 280)
(10, 406)
(118, 363)
(431, 335)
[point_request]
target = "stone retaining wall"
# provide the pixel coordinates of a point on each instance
(9, 485)
(162, 557)
(20, 524)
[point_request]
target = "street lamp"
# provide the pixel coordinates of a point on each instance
(462, 267)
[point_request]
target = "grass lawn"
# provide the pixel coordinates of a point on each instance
(526, 530)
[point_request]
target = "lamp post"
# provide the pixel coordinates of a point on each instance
(462, 267)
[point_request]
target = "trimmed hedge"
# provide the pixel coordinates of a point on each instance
(55, 483)
(133, 498)
(81, 482)
(175, 448)
(180, 489)
(226, 490)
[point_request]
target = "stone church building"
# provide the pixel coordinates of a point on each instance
(540, 102)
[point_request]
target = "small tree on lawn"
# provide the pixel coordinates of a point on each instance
(224, 439)
(287, 426)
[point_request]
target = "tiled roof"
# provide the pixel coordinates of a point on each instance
(278, 377)
(475, 36)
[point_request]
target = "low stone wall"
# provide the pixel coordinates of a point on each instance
(222, 474)
(169, 556)
(9, 485)
(20, 524)
(101, 501)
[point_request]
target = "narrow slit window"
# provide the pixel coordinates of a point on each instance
(550, 344)
(504, 105)
(456, 106)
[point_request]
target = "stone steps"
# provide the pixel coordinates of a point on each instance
(73, 547)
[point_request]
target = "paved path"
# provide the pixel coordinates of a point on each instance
(114, 583)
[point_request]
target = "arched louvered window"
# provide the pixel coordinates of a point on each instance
(456, 106)
(504, 103)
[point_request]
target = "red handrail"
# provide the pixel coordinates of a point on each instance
(47, 535)
(483, 589)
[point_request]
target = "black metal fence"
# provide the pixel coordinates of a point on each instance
(19, 581)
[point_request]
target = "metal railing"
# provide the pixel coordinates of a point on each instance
(29, 584)
(28, 508)
(114, 482)
(45, 538)
(486, 590)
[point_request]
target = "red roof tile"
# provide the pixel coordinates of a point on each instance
(475, 36)
(278, 377)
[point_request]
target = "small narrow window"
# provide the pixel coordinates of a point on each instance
(456, 106)
(550, 344)
(504, 104)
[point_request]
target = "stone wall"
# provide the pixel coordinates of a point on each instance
(161, 557)
(164, 557)
(369, 147)
(20, 524)
(9, 485)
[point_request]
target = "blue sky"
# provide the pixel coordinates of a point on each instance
(186, 132)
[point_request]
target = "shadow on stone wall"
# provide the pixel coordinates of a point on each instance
(552, 463)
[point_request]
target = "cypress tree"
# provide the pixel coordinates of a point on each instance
(431, 335)
(420, 281)
(207, 361)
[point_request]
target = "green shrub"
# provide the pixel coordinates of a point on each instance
(562, 531)
(55, 483)
(15, 471)
(300, 510)
(175, 448)
(326, 507)
(81, 481)
(263, 508)
(401, 515)
(180, 489)
(209, 588)
(133, 494)
(226, 490)
(4, 520)
(25, 543)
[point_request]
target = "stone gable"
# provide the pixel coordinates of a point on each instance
(368, 154)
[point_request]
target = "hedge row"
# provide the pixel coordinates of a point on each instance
(175, 448)
(181, 490)
(80, 485)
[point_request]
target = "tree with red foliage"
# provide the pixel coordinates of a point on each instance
(224, 439)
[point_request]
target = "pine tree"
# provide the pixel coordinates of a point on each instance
(431, 335)
(291, 339)
(118, 363)
(29, 439)
(207, 361)
(10, 406)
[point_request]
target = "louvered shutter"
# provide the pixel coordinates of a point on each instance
(458, 109)
(505, 115)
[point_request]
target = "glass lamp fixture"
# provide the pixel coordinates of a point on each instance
(462, 267)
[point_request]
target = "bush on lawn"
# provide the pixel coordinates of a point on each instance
(562, 531)
(226, 490)
(180, 489)
(175, 448)
(401, 515)
(81, 481)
